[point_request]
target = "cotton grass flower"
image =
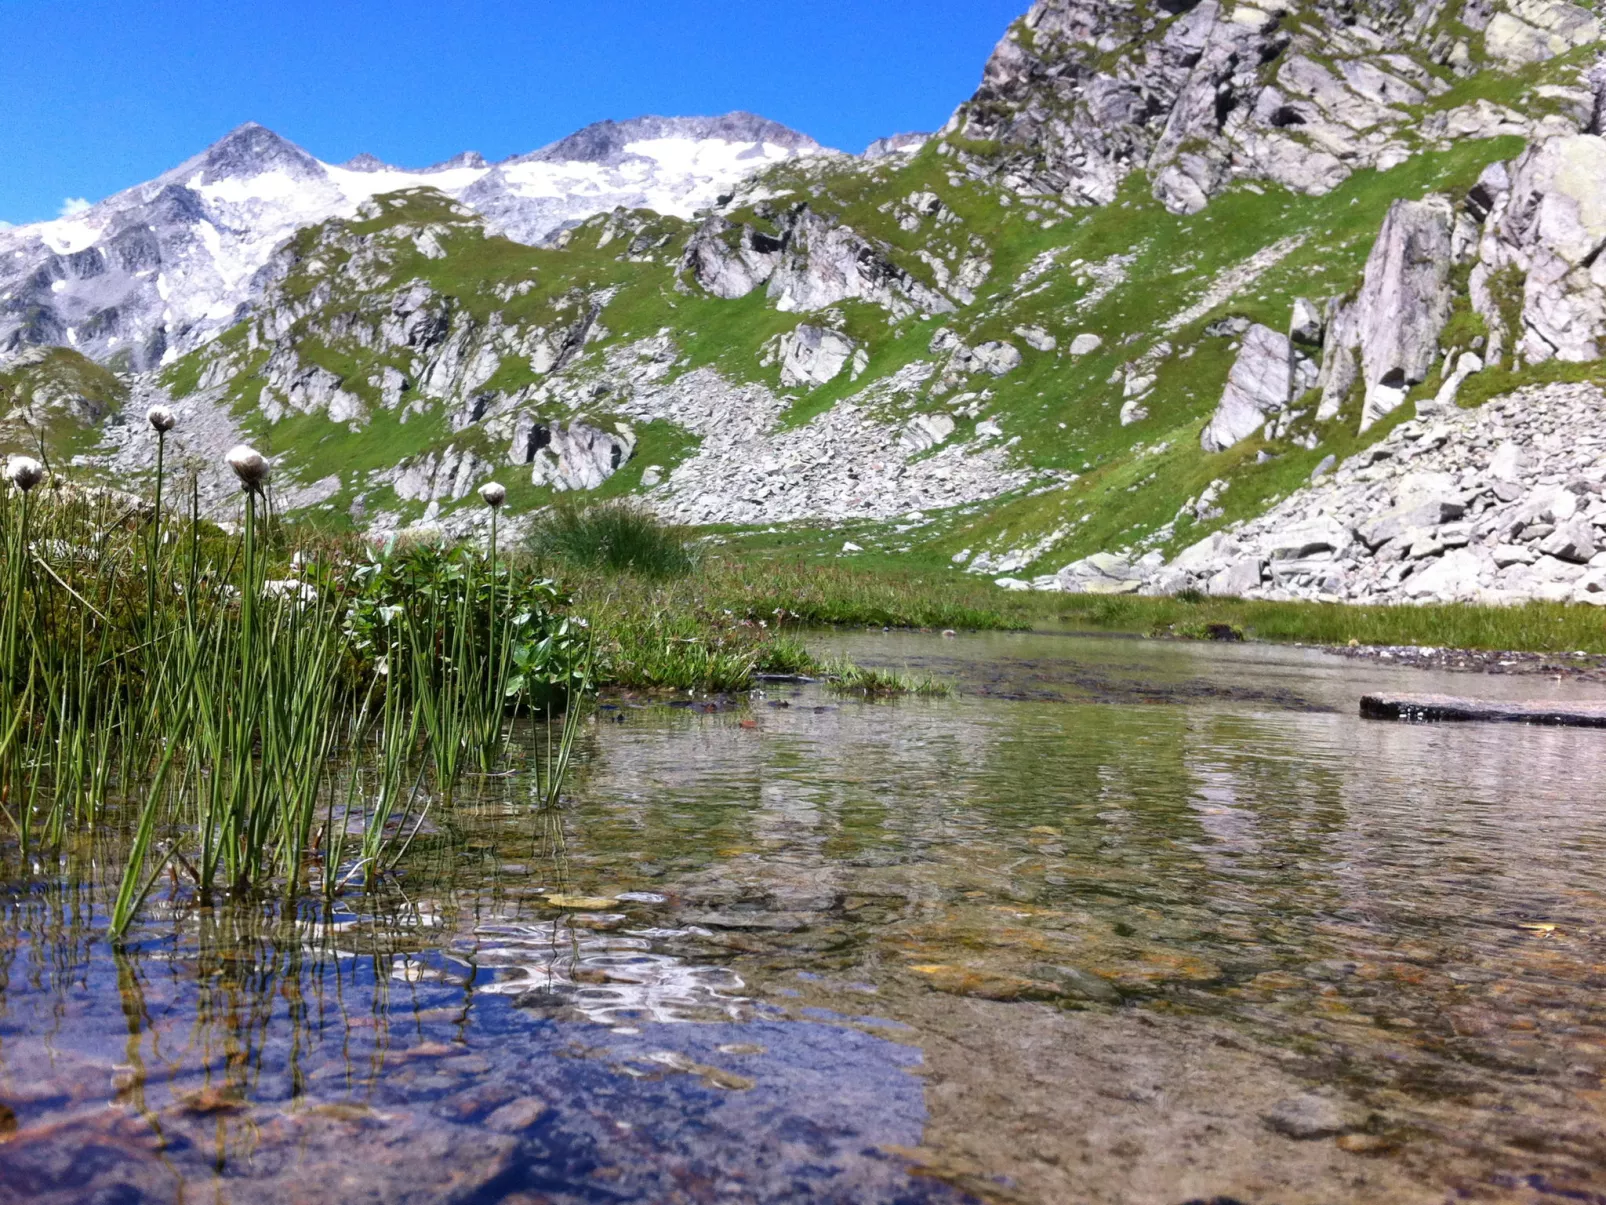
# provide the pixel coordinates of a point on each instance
(493, 494)
(250, 466)
(161, 419)
(24, 472)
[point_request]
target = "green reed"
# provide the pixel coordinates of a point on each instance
(236, 704)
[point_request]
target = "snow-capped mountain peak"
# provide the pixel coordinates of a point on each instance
(249, 151)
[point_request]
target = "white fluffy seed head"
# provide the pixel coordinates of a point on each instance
(24, 472)
(249, 466)
(493, 494)
(161, 419)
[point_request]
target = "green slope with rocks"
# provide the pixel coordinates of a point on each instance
(1002, 350)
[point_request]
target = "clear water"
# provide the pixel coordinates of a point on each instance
(1125, 921)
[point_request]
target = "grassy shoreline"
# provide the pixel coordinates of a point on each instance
(1534, 627)
(764, 606)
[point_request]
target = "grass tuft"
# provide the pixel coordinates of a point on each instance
(850, 679)
(613, 537)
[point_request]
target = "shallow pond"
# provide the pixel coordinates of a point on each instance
(1124, 921)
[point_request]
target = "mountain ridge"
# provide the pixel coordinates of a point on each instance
(160, 266)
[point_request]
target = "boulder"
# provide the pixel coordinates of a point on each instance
(812, 356)
(1101, 573)
(1311, 1116)
(1305, 541)
(1455, 575)
(1036, 338)
(1085, 344)
(578, 456)
(1208, 554)
(1258, 387)
(1414, 514)
(1507, 463)
(926, 431)
(1307, 324)
(1237, 579)
(1572, 541)
(996, 359)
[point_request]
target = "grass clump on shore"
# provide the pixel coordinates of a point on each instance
(729, 620)
(612, 537)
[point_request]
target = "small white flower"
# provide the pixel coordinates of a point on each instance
(24, 472)
(493, 494)
(249, 466)
(161, 419)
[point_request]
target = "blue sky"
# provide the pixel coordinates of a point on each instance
(102, 95)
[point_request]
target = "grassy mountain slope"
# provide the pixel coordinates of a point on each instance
(539, 325)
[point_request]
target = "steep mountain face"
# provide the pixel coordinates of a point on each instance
(153, 272)
(1199, 94)
(1172, 260)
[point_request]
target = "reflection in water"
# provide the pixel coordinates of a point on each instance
(1216, 936)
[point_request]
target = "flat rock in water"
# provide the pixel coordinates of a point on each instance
(1439, 708)
(1311, 1116)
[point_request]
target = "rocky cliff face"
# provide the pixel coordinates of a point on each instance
(1199, 94)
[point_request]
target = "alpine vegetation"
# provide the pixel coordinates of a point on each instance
(257, 712)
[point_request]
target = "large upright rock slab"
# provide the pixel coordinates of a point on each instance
(1550, 227)
(1259, 386)
(1404, 302)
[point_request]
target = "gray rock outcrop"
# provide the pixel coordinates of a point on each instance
(809, 264)
(1258, 388)
(1547, 224)
(1536, 30)
(1203, 93)
(575, 455)
(813, 355)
